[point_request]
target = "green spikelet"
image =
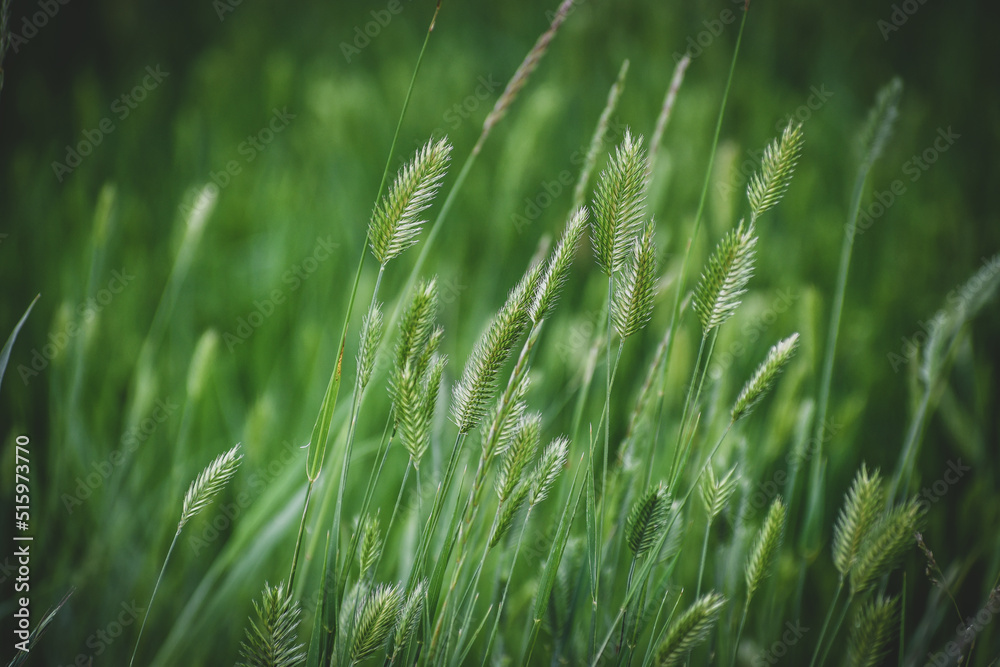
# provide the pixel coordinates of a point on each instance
(519, 454)
(544, 476)
(881, 118)
(504, 420)
(417, 323)
(690, 630)
(270, 640)
(209, 483)
(617, 206)
(647, 520)
(762, 379)
(725, 278)
(395, 222)
(863, 506)
(557, 269)
(872, 631)
(479, 378)
(371, 336)
(887, 542)
(768, 186)
(507, 511)
(632, 307)
(765, 546)
(371, 544)
(375, 620)
(715, 493)
(408, 617)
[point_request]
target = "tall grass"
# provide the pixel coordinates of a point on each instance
(471, 500)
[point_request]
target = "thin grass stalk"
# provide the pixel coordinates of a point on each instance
(380, 457)
(312, 473)
(836, 629)
(506, 588)
(675, 314)
(514, 86)
(156, 587)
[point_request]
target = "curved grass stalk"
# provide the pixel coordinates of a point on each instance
(321, 431)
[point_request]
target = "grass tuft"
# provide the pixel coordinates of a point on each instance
(396, 222)
(724, 280)
(271, 639)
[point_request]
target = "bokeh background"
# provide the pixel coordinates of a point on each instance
(143, 376)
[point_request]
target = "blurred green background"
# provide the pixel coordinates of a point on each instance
(227, 69)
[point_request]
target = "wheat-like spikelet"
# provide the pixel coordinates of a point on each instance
(767, 186)
(507, 511)
(715, 493)
(209, 483)
(863, 506)
(725, 277)
(765, 546)
(375, 620)
(270, 640)
(551, 282)
(973, 295)
(617, 208)
(479, 378)
(371, 336)
(519, 454)
(415, 399)
(632, 306)
(417, 323)
(371, 544)
(762, 379)
(881, 118)
(647, 519)
(872, 631)
(887, 541)
(408, 617)
(544, 476)
(690, 630)
(395, 221)
(416, 377)
(504, 419)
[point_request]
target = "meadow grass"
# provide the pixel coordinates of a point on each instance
(469, 496)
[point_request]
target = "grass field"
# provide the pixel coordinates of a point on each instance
(593, 333)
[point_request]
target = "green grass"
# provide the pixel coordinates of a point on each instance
(479, 423)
